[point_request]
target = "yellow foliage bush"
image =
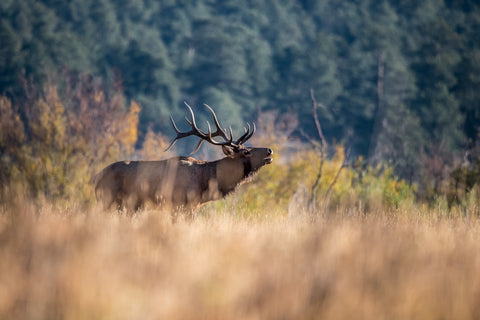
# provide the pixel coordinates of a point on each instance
(277, 185)
(53, 150)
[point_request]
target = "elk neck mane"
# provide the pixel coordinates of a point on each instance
(227, 182)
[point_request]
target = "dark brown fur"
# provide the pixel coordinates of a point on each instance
(179, 182)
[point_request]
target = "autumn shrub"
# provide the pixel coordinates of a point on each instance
(54, 141)
(378, 188)
(285, 187)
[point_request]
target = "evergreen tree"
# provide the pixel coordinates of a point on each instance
(437, 58)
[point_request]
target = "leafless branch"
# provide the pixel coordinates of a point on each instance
(334, 181)
(323, 151)
(317, 122)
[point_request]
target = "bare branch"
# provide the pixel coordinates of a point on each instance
(334, 181)
(317, 122)
(323, 151)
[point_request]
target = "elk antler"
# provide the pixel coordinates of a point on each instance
(208, 136)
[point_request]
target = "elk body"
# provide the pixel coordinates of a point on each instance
(182, 182)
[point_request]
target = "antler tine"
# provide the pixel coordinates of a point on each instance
(174, 125)
(195, 131)
(247, 135)
(251, 134)
(197, 147)
(239, 140)
(192, 123)
(219, 132)
(177, 131)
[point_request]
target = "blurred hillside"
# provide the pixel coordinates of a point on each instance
(398, 80)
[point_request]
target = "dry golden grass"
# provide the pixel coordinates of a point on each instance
(72, 264)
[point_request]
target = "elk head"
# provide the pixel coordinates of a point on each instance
(251, 157)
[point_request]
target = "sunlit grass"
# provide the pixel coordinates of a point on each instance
(73, 264)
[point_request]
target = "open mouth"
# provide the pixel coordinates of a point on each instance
(268, 160)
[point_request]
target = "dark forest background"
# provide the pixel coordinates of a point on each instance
(398, 80)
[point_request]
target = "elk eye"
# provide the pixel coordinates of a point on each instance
(246, 152)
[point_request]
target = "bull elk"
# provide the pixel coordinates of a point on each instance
(182, 182)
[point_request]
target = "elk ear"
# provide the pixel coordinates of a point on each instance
(229, 152)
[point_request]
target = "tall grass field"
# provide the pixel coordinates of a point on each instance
(68, 263)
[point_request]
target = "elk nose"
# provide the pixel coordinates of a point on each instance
(269, 151)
